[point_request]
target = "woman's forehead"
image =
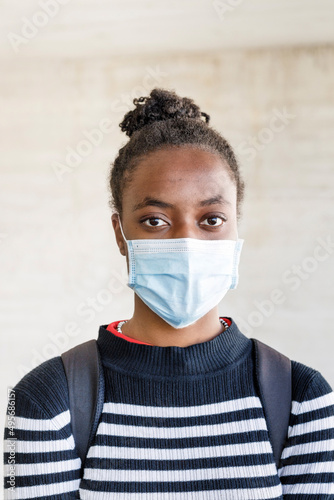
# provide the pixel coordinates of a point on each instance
(181, 172)
(184, 157)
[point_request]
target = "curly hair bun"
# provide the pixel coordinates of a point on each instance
(159, 106)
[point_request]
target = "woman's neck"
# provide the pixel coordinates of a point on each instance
(146, 326)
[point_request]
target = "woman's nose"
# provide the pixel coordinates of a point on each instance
(184, 231)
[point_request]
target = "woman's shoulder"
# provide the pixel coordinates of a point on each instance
(44, 387)
(310, 390)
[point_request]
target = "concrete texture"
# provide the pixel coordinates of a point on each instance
(62, 275)
(87, 28)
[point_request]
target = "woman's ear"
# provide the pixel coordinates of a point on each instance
(115, 219)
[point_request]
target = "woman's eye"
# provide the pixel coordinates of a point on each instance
(213, 221)
(154, 222)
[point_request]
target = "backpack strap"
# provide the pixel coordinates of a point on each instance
(273, 374)
(85, 381)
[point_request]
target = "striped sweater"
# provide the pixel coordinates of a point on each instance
(177, 424)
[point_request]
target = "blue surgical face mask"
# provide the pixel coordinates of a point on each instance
(182, 279)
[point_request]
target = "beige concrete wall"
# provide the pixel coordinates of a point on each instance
(61, 273)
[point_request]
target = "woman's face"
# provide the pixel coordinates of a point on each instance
(178, 193)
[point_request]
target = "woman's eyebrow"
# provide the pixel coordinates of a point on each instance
(152, 202)
(214, 201)
(219, 199)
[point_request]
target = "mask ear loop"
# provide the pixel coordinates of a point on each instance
(131, 263)
(121, 228)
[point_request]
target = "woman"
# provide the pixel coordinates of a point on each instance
(182, 418)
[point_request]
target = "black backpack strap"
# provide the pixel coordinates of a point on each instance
(273, 373)
(85, 381)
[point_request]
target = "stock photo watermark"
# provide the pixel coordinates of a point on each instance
(30, 27)
(225, 7)
(93, 138)
(278, 121)
(88, 310)
(292, 279)
(75, 155)
(10, 443)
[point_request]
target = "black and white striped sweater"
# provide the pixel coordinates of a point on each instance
(177, 424)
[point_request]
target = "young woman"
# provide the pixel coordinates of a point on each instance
(182, 418)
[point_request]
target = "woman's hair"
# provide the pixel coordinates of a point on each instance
(165, 120)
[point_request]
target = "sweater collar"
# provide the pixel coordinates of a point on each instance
(206, 357)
